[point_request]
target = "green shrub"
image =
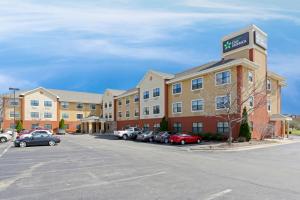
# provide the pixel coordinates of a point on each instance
(245, 128)
(62, 124)
(164, 124)
(19, 126)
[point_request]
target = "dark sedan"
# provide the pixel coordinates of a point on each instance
(41, 139)
(162, 137)
(146, 136)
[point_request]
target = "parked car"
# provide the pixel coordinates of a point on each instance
(182, 138)
(162, 137)
(127, 133)
(38, 139)
(4, 137)
(25, 134)
(146, 136)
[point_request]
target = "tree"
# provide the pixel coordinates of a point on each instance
(62, 124)
(164, 124)
(245, 128)
(19, 126)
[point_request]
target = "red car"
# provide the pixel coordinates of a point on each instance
(182, 138)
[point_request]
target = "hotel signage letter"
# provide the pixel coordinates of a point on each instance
(236, 42)
(260, 40)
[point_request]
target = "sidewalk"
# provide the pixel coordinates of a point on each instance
(245, 146)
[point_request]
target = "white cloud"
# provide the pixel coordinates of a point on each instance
(7, 81)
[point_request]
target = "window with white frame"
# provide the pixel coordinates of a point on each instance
(105, 105)
(110, 104)
(269, 87)
(250, 77)
(177, 88)
(48, 103)
(223, 78)
(251, 101)
(222, 127)
(120, 114)
(48, 126)
(146, 127)
(34, 126)
(197, 127)
(146, 95)
(35, 115)
(197, 84)
(156, 92)
(119, 102)
(156, 127)
(13, 102)
(136, 98)
(65, 115)
(177, 107)
(146, 111)
(93, 106)
(110, 115)
(127, 114)
(197, 105)
(156, 109)
(177, 127)
(47, 115)
(269, 105)
(136, 113)
(65, 105)
(79, 106)
(222, 102)
(34, 103)
(13, 114)
(127, 100)
(79, 116)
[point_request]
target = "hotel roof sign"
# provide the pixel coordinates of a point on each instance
(236, 42)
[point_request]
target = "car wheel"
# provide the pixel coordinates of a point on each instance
(51, 143)
(198, 141)
(182, 142)
(125, 137)
(3, 139)
(166, 141)
(23, 144)
(150, 140)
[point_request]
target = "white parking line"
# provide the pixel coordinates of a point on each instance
(6, 149)
(219, 194)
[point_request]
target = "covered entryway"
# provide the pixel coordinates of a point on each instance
(92, 125)
(281, 125)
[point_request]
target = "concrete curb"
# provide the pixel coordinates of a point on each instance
(246, 148)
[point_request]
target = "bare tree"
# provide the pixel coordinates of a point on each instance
(234, 98)
(4, 100)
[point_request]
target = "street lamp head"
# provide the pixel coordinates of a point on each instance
(15, 89)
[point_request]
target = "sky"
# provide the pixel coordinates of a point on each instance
(91, 45)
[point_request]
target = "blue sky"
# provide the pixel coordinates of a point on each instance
(89, 45)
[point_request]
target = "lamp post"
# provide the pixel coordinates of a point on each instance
(14, 104)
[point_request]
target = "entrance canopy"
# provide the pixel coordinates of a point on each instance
(280, 117)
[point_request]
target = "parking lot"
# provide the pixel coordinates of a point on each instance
(88, 167)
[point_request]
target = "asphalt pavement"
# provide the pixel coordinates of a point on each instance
(88, 167)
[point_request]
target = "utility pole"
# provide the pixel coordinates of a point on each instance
(14, 104)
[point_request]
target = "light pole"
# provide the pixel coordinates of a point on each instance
(14, 104)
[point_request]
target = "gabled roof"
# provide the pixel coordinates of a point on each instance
(128, 92)
(37, 89)
(277, 77)
(161, 74)
(82, 97)
(115, 92)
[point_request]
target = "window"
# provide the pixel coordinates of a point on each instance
(156, 127)
(120, 114)
(197, 105)
(269, 105)
(177, 88)
(251, 102)
(110, 115)
(177, 107)
(110, 104)
(269, 84)
(65, 115)
(119, 102)
(197, 84)
(222, 127)
(127, 100)
(105, 105)
(79, 116)
(146, 111)
(93, 106)
(34, 115)
(251, 125)
(12, 126)
(156, 109)
(136, 113)
(223, 78)
(67, 126)
(136, 98)
(34, 126)
(146, 127)
(79, 106)
(250, 77)
(146, 95)
(48, 126)
(106, 116)
(13, 102)
(14, 115)
(65, 105)
(48, 103)
(197, 127)
(127, 114)
(47, 115)
(156, 92)
(34, 102)
(177, 127)
(222, 102)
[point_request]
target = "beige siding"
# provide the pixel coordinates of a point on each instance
(131, 107)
